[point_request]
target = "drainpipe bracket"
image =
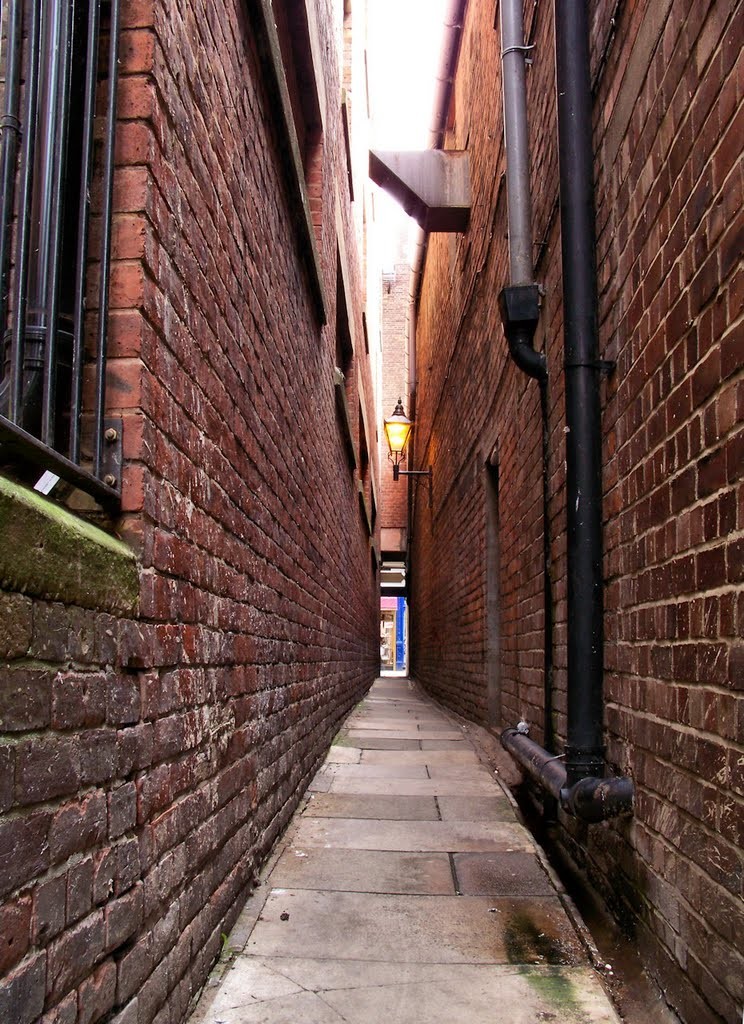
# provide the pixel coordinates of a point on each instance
(603, 366)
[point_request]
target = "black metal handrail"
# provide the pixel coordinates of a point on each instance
(52, 54)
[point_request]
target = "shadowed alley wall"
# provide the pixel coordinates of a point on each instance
(667, 141)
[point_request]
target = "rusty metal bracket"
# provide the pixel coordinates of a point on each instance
(113, 452)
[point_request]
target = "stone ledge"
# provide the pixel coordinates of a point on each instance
(47, 552)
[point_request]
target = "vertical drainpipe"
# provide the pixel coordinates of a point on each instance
(576, 783)
(516, 142)
(520, 303)
(584, 748)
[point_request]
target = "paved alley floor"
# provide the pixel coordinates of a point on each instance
(405, 891)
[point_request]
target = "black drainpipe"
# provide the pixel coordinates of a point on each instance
(578, 783)
(584, 747)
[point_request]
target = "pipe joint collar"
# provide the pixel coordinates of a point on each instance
(593, 800)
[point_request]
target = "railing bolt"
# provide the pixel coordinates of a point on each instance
(109, 479)
(111, 434)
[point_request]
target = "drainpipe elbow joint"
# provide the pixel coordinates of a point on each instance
(594, 799)
(519, 306)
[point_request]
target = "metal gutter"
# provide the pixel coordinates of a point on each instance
(453, 22)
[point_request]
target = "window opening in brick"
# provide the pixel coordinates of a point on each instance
(366, 497)
(297, 56)
(344, 347)
(345, 390)
(493, 596)
(59, 61)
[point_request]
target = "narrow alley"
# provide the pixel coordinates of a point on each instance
(371, 512)
(405, 889)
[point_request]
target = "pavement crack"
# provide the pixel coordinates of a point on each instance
(453, 869)
(332, 1008)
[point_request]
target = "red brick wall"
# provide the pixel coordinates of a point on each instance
(668, 129)
(148, 763)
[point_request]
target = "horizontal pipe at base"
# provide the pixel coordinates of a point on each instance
(590, 799)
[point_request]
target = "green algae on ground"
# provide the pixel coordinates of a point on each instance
(559, 992)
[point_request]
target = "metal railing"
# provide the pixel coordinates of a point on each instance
(59, 63)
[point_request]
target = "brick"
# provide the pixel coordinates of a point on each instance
(97, 994)
(79, 890)
(24, 852)
(135, 749)
(78, 700)
(46, 767)
(22, 991)
(49, 909)
(122, 700)
(15, 625)
(65, 1012)
(7, 777)
(122, 809)
(124, 918)
(78, 826)
(25, 699)
(73, 953)
(98, 756)
(128, 867)
(133, 968)
(15, 932)
(129, 1015)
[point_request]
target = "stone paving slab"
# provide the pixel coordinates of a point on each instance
(344, 755)
(396, 725)
(367, 992)
(384, 713)
(501, 874)
(417, 929)
(366, 742)
(475, 808)
(398, 734)
(392, 808)
(470, 995)
(377, 771)
(364, 871)
(458, 771)
(460, 743)
(358, 919)
(429, 836)
(462, 756)
(480, 786)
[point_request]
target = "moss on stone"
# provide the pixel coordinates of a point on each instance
(46, 552)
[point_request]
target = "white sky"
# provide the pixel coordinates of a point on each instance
(404, 40)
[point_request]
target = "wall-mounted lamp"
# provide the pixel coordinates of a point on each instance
(398, 431)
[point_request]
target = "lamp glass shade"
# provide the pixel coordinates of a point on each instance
(397, 430)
